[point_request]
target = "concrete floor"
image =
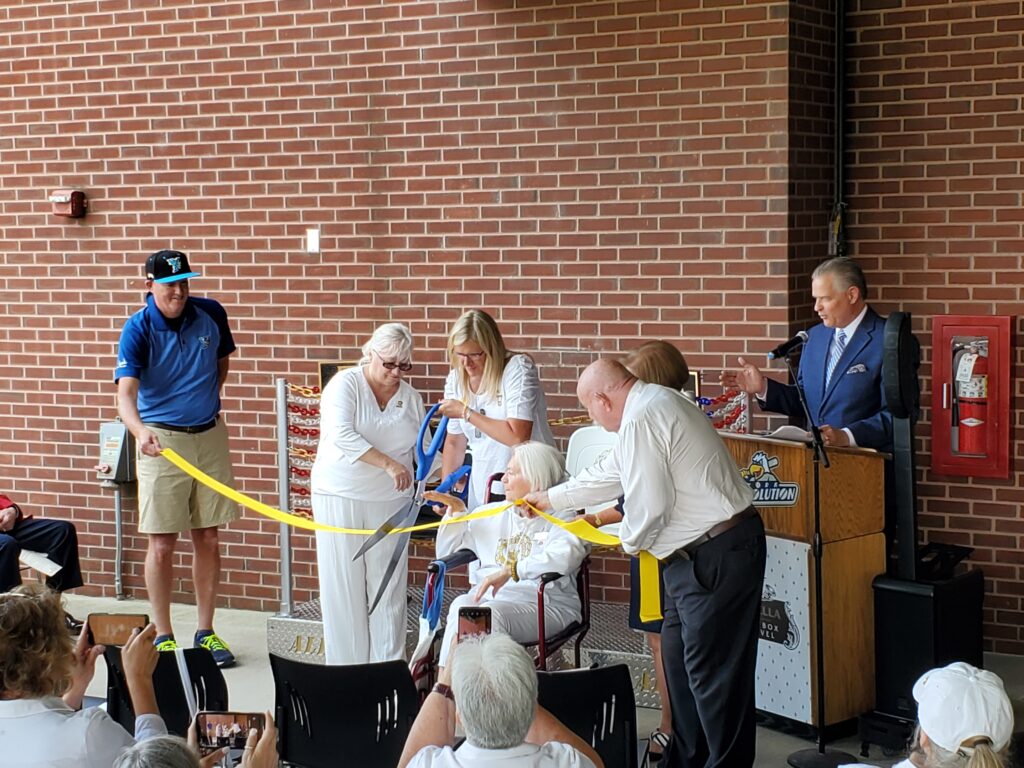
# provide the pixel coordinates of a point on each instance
(251, 686)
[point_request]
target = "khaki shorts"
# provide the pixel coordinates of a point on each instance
(171, 501)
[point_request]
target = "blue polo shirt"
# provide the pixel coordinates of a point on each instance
(177, 368)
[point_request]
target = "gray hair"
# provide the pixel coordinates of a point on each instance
(846, 272)
(159, 752)
(495, 687)
(541, 464)
(391, 340)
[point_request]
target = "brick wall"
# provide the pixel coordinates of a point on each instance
(594, 173)
(935, 183)
(811, 144)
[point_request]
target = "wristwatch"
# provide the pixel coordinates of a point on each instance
(444, 690)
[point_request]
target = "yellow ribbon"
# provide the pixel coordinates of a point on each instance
(301, 522)
(650, 593)
(650, 585)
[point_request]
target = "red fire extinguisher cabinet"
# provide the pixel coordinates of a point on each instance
(971, 395)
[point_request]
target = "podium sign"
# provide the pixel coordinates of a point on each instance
(783, 684)
(852, 517)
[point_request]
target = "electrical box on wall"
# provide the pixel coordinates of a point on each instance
(971, 395)
(117, 453)
(68, 202)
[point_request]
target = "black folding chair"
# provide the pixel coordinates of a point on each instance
(598, 706)
(356, 714)
(206, 679)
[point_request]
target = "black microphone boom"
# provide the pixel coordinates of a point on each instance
(785, 348)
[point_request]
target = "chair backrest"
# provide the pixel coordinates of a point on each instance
(490, 494)
(356, 714)
(587, 446)
(208, 687)
(598, 706)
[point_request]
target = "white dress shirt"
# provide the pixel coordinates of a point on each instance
(678, 477)
(47, 733)
(351, 423)
(521, 397)
(551, 755)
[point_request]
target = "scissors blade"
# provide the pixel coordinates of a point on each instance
(396, 556)
(397, 520)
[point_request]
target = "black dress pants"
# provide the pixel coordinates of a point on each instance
(709, 648)
(57, 539)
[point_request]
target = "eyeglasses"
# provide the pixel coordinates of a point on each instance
(391, 365)
(470, 355)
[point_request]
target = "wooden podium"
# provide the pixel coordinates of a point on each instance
(852, 503)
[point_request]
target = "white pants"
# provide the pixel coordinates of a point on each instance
(352, 634)
(515, 617)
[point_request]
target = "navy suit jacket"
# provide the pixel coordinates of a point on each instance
(855, 398)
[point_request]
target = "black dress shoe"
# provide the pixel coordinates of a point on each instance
(74, 625)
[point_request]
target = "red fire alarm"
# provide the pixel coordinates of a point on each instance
(69, 202)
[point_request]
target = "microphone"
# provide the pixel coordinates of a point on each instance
(786, 347)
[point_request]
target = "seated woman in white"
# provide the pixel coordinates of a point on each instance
(513, 552)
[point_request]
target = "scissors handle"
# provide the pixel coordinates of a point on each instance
(450, 482)
(425, 460)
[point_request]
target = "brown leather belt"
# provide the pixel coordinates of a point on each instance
(688, 552)
(187, 430)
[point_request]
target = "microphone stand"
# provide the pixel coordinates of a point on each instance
(817, 758)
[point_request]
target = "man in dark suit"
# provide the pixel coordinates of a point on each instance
(840, 368)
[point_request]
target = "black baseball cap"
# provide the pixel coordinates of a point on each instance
(168, 267)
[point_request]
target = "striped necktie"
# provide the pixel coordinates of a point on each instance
(838, 345)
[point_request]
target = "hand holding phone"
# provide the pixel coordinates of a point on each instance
(474, 620)
(216, 730)
(114, 628)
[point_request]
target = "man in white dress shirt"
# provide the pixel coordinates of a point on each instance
(491, 688)
(685, 503)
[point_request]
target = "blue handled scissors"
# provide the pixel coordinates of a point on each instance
(407, 515)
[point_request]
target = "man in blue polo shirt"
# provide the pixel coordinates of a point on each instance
(172, 361)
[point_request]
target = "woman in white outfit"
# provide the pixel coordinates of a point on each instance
(493, 398)
(513, 552)
(363, 474)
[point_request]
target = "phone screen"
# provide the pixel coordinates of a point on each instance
(474, 620)
(114, 628)
(216, 730)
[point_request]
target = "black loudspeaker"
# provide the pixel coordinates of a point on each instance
(901, 357)
(920, 625)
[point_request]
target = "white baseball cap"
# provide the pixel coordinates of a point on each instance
(958, 703)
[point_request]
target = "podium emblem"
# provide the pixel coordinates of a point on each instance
(777, 624)
(769, 490)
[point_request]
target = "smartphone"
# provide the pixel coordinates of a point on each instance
(216, 730)
(114, 628)
(474, 620)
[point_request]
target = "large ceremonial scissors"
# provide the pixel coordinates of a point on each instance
(407, 515)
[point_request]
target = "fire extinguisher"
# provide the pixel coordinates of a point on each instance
(972, 394)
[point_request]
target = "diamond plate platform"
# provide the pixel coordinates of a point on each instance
(610, 640)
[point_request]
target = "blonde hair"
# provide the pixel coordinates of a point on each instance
(978, 754)
(391, 340)
(35, 648)
(658, 362)
(477, 326)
